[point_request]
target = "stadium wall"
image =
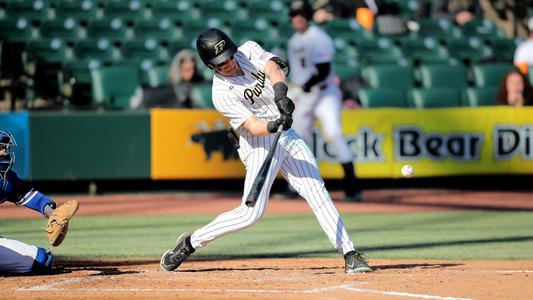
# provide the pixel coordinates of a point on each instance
(173, 144)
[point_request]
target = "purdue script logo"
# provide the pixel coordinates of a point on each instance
(219, 46)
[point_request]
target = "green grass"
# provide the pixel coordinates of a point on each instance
(440, 235)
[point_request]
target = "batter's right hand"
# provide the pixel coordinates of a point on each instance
(284, 120)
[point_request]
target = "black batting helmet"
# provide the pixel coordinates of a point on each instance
(214, 47)
(301, 7)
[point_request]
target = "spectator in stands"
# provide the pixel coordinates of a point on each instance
(183, 75)
(458, 11)
(515, 90)
(327, 10)
(509, 15)
(523, 56)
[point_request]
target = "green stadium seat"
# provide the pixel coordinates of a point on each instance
(425, 49)
(85, 10)
(36, 10)
(530, 74)
(347, 70)
(101, 50)
(272, 10)
(443, 75)
(175, 46)
(80, 70)
(124, 9)
(53, 50)
(161, 28)
(182, 11)
(383, 97)
(18, 30)
(389, 76)
(202, 95)
(436, 97)
(66, 29)
(226, 10)
(113, 29)
(192, 28)
(155, 76)
(503, 49)
(481, 96)
(407, 8)
(491, 74)
(113, 86)
(348, 29)
(254, 29)
(381, 50)
(437, 28)
(470, 50)
(143, 49)
(481, 28)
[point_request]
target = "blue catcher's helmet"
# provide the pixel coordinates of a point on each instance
(7, 151)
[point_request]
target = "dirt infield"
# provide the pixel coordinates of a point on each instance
(286, 278)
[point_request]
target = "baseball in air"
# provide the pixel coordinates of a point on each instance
(407, 171)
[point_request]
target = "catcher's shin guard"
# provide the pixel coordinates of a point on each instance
(354, 262)
(43, 263)
(173, 258)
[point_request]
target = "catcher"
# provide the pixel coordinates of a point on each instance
(16, 256)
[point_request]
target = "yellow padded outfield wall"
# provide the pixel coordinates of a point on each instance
(437, 142)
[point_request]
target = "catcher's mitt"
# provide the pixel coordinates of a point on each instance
(57, 225)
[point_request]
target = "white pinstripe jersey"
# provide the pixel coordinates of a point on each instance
(307, 49)
(240, 97)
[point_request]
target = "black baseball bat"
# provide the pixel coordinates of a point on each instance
(260, 179)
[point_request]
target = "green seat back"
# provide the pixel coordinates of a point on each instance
(156, 75)
(481, 96)
(383, 97)
(85, 10)
(66, 29)
(482, 28)
(390, 76)
(491, 74)
(113, 86)
(51, 50)
(436, 97)
(18, 30)
(202, 95)
(99, 49)
(470, 49)
(437, 28)
(443, 75)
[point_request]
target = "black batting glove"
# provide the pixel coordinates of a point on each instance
(285, 105)
(284, 120)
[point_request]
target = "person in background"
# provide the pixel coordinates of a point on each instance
(515, 90)
(523, 56)
(177, 91)
(316, 92)
(183, 75)
(458, 11)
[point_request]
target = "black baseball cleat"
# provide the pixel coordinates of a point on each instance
(353, 193)
(173, 258)
(356, 263)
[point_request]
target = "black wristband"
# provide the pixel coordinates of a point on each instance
(280, 90)
(272, 127)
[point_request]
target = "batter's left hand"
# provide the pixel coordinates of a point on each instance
(285, 105)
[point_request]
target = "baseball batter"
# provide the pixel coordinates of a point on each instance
(16, 256)
(310, 52)
(249, 88)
